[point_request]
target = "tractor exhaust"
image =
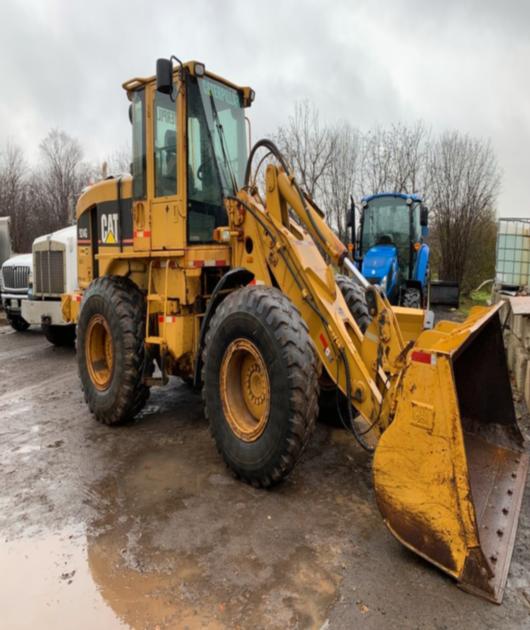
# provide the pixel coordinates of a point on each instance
(450, 470)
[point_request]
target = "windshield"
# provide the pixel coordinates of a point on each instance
(226, 121)
(386, 221)
(217, 154)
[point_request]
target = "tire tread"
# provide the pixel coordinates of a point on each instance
(291, 333)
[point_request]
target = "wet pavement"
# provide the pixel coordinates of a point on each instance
(142, 526)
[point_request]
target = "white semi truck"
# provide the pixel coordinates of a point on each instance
(14, 287)
(54, 273)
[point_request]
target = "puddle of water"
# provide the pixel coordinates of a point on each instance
(47, 584)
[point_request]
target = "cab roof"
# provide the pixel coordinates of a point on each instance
(138, 82)
(405, 196)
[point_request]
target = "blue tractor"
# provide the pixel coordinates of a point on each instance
(390, 251)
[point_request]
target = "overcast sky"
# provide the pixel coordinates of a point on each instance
(454, 64)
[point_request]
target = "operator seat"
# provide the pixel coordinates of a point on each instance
(384, 239)
(170, 161)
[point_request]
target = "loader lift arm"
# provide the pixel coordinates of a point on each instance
(439, 450)
(364, 367)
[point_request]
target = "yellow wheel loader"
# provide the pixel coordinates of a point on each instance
(217, 268)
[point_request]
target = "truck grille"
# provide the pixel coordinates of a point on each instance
(49, 272)
(15, 277)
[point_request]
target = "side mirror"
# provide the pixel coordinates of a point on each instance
(424, 216)
(164, 76)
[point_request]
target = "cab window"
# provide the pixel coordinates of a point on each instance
(165, 144)
(138, 145)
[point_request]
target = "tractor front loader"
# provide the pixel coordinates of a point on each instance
(190, 266)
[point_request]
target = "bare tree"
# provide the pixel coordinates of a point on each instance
(464, 182)
(61, 180)
(308, 146)
(13, 171)
(119, 161)
(394, 159)
(340, 181)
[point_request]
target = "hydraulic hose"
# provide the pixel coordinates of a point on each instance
(272, 148)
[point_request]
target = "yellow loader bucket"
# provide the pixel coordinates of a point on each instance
(450, 471)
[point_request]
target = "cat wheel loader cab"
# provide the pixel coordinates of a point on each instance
(190, 266)
(391, 250)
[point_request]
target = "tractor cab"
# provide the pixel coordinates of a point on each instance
(391, 250)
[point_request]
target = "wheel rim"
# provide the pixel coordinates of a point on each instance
(99, 352)
(245, 390)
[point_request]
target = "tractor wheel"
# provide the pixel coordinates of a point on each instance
(260, 380)
(411, 297)
(354, 296)
(110, 349)
(18, 323)
(60, 335)
(356, 301)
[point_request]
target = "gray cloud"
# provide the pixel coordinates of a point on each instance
(453, 64)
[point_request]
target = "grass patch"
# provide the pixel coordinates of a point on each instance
(475, 298)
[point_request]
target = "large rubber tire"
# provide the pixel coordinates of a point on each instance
(266, 318)
(356, 301)
(120, 305)
(18, 323)
(60, 335)
(411, 297)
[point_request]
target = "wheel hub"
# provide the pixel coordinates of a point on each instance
(245, 390)
(99, 352)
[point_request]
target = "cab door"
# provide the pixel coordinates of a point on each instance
(167, 209)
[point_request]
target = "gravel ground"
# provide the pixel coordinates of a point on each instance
(142, 526)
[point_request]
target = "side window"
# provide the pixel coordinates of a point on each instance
(165, 146)
(138, 145)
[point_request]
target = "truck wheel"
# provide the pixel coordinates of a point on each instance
(260, 380)
(18, 323)
(60, 335)
(354, 296)
(110, 349)
(411, 297)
